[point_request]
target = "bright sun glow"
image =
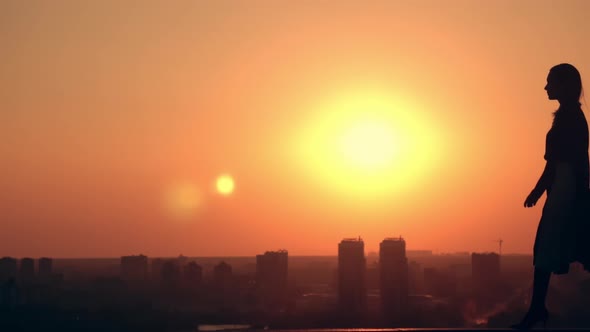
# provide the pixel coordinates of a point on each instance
(225, 184)
(367, 145)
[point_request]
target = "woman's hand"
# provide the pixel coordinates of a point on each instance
(532, 198)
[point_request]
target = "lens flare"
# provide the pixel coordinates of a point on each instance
(225, 184)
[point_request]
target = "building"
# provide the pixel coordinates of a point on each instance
(271, 277)
(393, 266)
(222, 275)
(9, 295)
(156, 270)
(193, 275)
(45, 268)
(224, 283)
(27, 269)
(352, 291)
(134, 268)
(171, 273)
(8, 269)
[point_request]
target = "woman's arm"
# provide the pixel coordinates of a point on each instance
(543, 184)
(546, 179)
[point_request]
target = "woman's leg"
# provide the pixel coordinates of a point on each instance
(537, 311)
(540, 287)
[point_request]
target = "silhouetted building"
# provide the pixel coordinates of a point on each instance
(171, 274)
(156, 270)
(9, 295)
(193, 275)
(394, 277)
(27, 269)
(271, 277)
(222, 276)
(8, 269)
(352, 292)
(134, 268)
(224, 283)
(45, 268)
(485, 271)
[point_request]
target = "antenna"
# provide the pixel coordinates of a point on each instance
(499, 241)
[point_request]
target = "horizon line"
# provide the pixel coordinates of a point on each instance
(456, 253)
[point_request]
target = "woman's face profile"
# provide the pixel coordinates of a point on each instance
(552, 88)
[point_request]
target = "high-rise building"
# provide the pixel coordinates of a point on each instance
(171, 274)
(45, 268)
(393, 266)
(352, 291)
(134, 268)
(222, 276)
(27, 269)
(271, 276)
(156, 270)
(485, 270)
(193, 274)
(8, 269)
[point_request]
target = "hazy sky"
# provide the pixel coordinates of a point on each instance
(335, 119)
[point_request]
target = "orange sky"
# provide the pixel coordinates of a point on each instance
(106, 106)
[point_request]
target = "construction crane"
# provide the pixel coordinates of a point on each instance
(499, 241)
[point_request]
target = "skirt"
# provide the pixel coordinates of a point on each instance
(556, 240)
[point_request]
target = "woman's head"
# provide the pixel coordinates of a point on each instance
(564, 83)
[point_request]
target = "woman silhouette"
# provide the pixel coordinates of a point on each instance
(562, 235)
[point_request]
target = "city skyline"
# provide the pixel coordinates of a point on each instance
(276, 290)
(418, 252)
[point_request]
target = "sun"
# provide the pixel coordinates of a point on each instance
(225, 184)
(369, 144)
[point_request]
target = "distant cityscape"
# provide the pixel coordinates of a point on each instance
(391, 288)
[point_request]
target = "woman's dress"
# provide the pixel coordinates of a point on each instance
(563, 235)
